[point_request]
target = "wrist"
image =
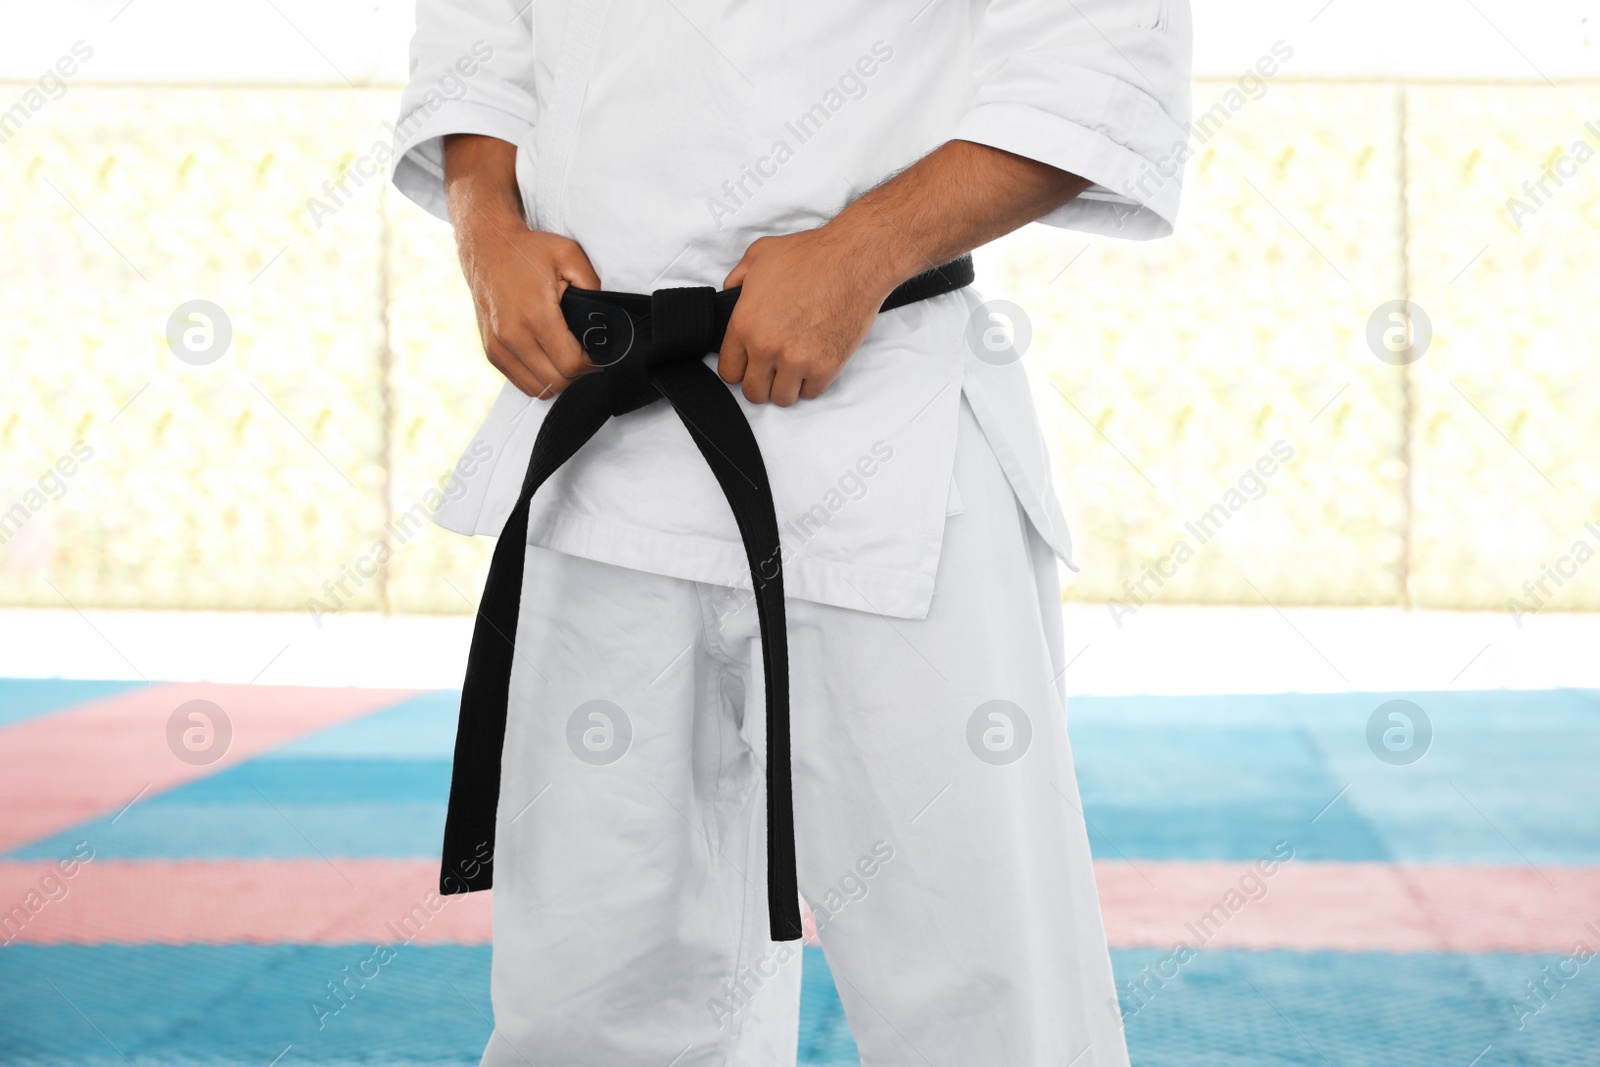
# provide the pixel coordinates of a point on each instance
(489, 214)
(877, 257)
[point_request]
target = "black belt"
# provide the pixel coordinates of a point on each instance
(648, 347)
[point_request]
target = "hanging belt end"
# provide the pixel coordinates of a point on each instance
(787, 928)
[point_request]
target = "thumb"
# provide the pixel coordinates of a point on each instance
(735, 277)
(576, 269)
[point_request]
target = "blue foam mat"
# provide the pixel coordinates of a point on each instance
(1506, 780)
(236, 1005)
(23, 698)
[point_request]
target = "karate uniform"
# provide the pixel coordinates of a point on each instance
(939, 840)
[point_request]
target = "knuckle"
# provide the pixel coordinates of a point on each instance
(512, 338)
(542, 319)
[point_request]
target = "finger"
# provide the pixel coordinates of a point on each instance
(732, 360)
(553, 383)
(563, 351)
(525, 348)
(818, 381)
(812, 388)
(539, 361)
(516, 368)
(786, 384)
(758, 378)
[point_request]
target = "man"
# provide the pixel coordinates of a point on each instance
(819, 155)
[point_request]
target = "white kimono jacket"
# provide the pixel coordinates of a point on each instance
(664, 136)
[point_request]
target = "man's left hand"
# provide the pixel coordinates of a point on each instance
(809, 299)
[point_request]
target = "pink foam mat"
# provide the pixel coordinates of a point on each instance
(1353, 907)
(64, 768)
(1303, 905)
(304, 901)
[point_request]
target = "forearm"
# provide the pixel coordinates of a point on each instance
(809, 298)
(516, 275)
(480, 181)
(957, 198)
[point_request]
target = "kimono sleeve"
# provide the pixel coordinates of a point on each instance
(1098, 88)
(471, 71)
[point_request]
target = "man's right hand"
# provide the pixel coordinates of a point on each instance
(516, 275)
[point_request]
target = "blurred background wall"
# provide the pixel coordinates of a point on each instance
(1384, 281)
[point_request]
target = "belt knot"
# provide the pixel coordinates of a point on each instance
(682, 325)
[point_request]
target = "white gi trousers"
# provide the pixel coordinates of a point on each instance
(941, 846)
